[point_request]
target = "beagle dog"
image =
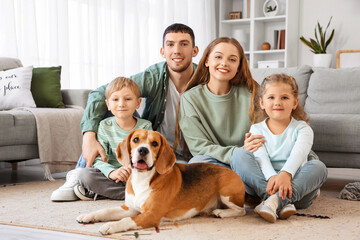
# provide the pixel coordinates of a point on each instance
(160, 189)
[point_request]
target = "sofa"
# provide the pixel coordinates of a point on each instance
(331, 99)
(19, 139)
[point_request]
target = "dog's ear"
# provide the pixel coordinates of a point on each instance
(166, 158)
(123, 151)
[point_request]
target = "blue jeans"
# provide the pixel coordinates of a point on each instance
(81, 162)
(306, 182)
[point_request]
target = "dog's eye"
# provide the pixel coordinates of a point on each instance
(154, 144)
(136, 140)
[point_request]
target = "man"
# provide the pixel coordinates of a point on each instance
(161, 85)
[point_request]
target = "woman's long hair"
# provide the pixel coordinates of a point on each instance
(202, 76)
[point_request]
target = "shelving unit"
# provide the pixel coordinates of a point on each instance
(255, 28)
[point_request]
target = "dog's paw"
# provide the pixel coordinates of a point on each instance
(108, 228)
(85, 218)
(218, 213)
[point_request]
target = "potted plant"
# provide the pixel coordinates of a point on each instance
(270, 8)
(319, 45)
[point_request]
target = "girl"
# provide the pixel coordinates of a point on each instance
(215, 111)
(281, 172)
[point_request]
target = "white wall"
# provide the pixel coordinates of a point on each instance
(345, 21)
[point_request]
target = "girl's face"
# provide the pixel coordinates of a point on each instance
(278, 101)
(223, 62)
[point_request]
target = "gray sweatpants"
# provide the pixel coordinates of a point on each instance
(94, 180)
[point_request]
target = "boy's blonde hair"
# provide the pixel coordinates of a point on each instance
(298, 113)
(119, 83)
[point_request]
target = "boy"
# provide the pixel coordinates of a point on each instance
(108, 178)
(161, 85)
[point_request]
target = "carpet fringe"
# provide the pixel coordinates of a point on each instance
(64, 230)
(48, 172)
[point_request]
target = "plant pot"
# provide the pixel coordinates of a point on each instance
(322, 60)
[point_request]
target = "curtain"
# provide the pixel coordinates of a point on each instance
(97, 40)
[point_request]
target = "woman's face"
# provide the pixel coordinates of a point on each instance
(223, 62)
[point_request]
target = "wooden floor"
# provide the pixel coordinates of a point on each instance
(28, 174)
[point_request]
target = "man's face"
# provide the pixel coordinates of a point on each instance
(178, 51)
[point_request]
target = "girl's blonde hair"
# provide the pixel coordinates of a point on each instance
(119, 83)
(202, 76)
(298, 113)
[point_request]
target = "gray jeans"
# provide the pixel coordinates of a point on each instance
(94, 180)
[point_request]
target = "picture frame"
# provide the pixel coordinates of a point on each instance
(235, 15)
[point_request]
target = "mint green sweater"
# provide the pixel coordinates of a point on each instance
(215, 125)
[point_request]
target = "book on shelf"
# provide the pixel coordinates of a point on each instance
(246, 9)
(282, 39)
(279, 39)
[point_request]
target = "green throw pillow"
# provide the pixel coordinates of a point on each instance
(45, 87)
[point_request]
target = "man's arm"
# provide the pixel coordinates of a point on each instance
(94, 113)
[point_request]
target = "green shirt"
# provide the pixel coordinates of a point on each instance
(215, 125)
(153, 83)
(109, 136)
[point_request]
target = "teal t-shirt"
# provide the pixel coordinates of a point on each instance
(109, 136)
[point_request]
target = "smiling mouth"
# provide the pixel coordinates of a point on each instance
(222, 70)
(177, 60)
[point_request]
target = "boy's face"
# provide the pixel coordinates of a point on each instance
(123, 103)
(178, 51)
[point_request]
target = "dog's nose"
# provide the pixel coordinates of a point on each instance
(143, 151)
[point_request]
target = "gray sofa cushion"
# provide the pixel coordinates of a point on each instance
(336, 132)
(6, 63)
(334, 91)
(301, 75)
(17, 128)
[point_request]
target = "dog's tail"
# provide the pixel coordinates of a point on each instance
(252, 201)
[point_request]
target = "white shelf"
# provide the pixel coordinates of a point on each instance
(269, 51)
(271, 19)
(256, 29)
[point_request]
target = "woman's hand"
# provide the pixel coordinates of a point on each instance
(121, 174)
(253, 142)
(281, 183)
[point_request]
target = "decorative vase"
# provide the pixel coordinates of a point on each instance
(241, 36)
(265, 46)
(322, 60)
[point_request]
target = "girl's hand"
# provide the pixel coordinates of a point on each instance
(281, 183)
(121, 174)
(253, 142)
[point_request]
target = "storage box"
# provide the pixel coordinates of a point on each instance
(270, 64)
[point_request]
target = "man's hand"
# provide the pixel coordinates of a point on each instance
(121, 174)
(91, 148)
(281, 183)
(253, 142)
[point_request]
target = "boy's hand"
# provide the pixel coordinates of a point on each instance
(281, 183)
(121, 174)
(91, 148)
(253, 142)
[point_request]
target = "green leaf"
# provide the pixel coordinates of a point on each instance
(316, 46)
(306, 42)
(329, 40)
